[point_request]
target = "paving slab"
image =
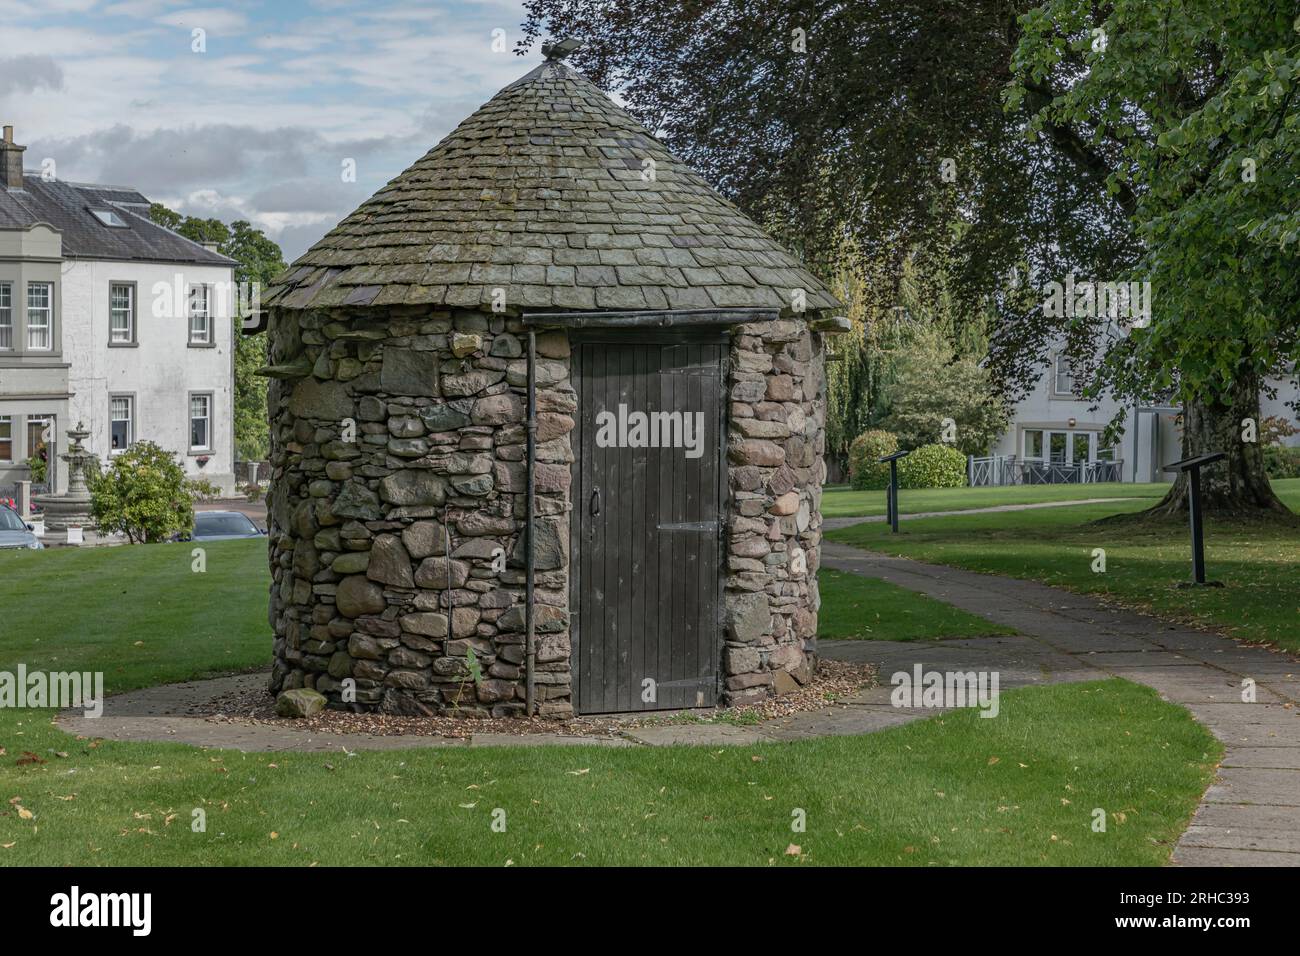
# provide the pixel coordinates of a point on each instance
(1246, 816)
(1233, 838)
(1257, 785)
(1218, 856)
(1279, 758)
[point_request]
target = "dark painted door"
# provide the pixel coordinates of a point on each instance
(647, 491)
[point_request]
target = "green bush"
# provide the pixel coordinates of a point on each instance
(142, 494)
(865, 473)
(933, 466)
(1281, 461)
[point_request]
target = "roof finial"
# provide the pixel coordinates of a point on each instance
(554, 52)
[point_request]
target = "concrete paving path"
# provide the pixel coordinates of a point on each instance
(830, 524)
(1250, 816)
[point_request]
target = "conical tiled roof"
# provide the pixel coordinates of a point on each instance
(541, 193)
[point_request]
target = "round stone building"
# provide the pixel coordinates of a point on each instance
(547, 422)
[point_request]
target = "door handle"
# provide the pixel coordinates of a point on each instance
(595, 502)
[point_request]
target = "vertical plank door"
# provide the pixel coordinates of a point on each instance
(647, 524)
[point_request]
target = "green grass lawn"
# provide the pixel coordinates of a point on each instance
(841, 501)
(957, 790)
(141, 615)
(859, 608)
(1017, 789)
(1258, 563)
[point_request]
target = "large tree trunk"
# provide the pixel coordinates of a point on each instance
(1237, 486)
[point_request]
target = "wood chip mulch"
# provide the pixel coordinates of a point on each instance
(834, 681)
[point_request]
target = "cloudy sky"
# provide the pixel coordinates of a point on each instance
(258, 125)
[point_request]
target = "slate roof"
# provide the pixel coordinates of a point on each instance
(541, 193)
(66, 207)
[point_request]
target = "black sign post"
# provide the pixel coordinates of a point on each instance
(1193, 467)
(891, 493)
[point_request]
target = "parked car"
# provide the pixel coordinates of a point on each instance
(15, 532)
(222, 526)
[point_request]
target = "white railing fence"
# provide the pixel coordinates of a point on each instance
(1013, 470)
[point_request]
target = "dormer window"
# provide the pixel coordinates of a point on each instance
(109, 218)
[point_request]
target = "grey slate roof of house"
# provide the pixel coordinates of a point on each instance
(67, 208)
(540, 193)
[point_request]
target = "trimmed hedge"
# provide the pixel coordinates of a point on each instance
(933, 466)
(865, 473)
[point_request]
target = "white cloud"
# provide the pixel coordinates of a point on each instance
(24, 74)
(256, 127)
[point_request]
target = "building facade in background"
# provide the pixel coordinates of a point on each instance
(110, 320)
(1055, 436)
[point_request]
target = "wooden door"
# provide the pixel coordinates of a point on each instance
(646, 534)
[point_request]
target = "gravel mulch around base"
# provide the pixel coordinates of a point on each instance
(834, 681)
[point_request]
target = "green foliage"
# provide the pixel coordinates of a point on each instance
(40, 468)
(1281, 462)
(934, 384)
(201, 489)
(1191, 110)
(143, 494)
(897, 307)
(933, 466)
(259, 260)
(865, 471)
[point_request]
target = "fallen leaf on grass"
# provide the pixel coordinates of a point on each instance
(25, 814)
(579, 773)
(993, 760)
(793, 849)
(29, 758)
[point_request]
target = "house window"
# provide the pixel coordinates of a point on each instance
(200, 422)
(40, 316)
(6, 317)
(1081, 450)
(1064, 376)
(121, 313)
(1034, 443)
(6, 438)
(200, 316)
(121, 422)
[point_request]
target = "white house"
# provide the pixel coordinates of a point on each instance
(112, 321)
(1055, 436)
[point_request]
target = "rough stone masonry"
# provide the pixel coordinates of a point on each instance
(399, 552)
